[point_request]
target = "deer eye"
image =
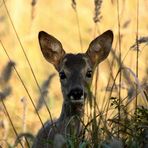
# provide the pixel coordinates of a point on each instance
(89, 74)
(62, 75)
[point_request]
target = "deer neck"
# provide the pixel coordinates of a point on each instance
(70, 110)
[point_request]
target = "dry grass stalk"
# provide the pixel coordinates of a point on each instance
(28, 61)
(121, 64)
(137, 83)
(21, 80)
(27, 136)
(132, 93)
(24, 102)
(33, 3)
(4, 79)
(97, 15)
(5, 93)
(74, 4)
(6, 73)
(44, 92)
(141, 40)
(112, 1)
(4, 128)
(126, 24)
(11, 122)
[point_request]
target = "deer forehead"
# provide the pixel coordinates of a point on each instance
(75, 62)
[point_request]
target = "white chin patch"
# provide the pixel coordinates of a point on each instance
(73, 100)
(77, 101)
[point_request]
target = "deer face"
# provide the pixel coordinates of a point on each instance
(75, 73)
(75, 70)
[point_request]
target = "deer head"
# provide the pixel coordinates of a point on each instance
(75, 70)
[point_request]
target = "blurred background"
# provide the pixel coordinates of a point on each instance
(21, 21)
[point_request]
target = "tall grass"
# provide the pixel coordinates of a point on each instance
(137, 57)
(5, 77)
(28, 61)
(74, 6)
(116, 123)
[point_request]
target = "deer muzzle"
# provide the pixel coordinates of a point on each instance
(77, 95)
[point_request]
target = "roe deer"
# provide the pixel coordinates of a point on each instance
(75, 71)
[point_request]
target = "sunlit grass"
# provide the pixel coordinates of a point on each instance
(59, 19)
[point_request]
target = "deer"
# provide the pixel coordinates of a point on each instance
(76, 74)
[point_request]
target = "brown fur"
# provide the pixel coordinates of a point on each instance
(76, 72)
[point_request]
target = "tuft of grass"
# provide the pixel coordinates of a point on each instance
(27, 136)
(44, 92)
(126, 23)
(73, 4)
(33, 4)
(5, 93)
(141, 40)
(6, 73)
(4, 80)
(6, 90)
(97, 14)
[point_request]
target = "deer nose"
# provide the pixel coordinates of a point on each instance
(76, 94)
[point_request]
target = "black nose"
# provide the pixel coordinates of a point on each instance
(76, 94)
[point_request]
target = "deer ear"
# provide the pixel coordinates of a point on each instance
(51, 48)
(100, 47)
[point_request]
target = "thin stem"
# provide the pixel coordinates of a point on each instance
(119, 34)
(23, 85)
(27, 59)
(137, 56)
(12, 123)
(79, 31)
(96, 108)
